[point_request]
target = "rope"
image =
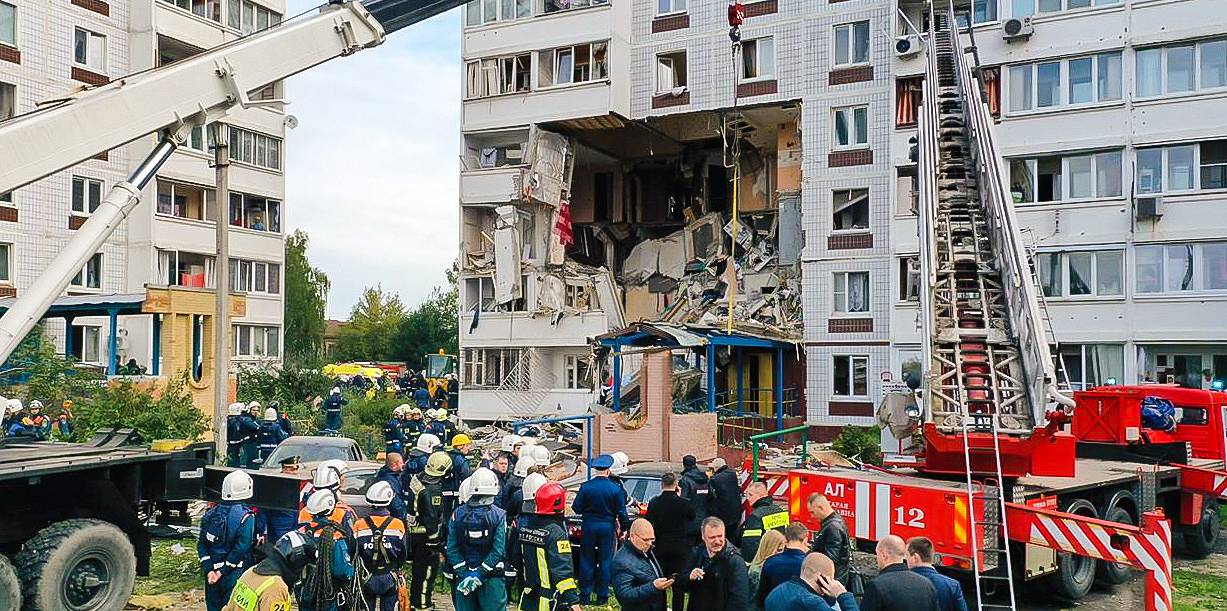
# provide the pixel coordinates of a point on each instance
(318, 585)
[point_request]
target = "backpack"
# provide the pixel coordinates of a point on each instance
(215, 526)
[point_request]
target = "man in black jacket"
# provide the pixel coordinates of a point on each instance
(727, 502)
(764, 515)
(832, 540)
(639, 584)
(670, 516)
(696, 491)
(896, 588)
(716, 578)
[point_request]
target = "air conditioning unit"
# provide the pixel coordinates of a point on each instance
(1017, 28)
(907, 46)
(1147, 207)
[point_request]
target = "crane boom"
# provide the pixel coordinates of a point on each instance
(170, 100)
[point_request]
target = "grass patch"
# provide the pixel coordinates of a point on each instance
(171, 573)
(1198, 591)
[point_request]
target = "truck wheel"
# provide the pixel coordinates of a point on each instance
(1115, 573)
(1075, 574)
(77, 565)
(10, 586)
(1200, 539)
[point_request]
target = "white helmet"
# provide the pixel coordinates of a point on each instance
(15, 406)
(541, 454)
(336, 390)
(428, 442)
(466, 489)
(254, 404)
(523, 465)
(237, 486)
(621, 463)
(380, 494)
(270, 414)
(234, 409)
(328, 474)
(531, 484)
(485, 482)
(321, 502)
(509, 443)
(36, 404)
(440, 414)
(401, 410)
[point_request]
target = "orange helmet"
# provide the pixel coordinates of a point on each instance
(551, 499)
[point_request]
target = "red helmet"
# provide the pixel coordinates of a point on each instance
(551, 499)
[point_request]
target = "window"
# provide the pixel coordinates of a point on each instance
(1173, 268)
(90, 276)
(255, 148)
(852, 43)
(1022, 8)
(577, 372)
(851, 292)
(1185, 167)
(8, 100)
(554, 6)
(479, 292)
(578, 297)
(669, 7)
(203, 138)
(6, 263)
(209, 9)
(248, 17)
(851, 127)
(257, 341)
(86, 195)
(670, 71)
(1181, 68)
(255, 277)
(575, 64)
(178, 268)
(1090, 365)
(851, 376)
(8, 24)
(850, 209)
(184, 201)
(505, 368)
(255, 212)
(90, 50)
(495, 76)
(1062, 178)
(907, 191)
(1081, 273)
(6, 198)
(909, 92)
(171, 50)
(91, 344)
(480, 12)
(909, 279)
(1078, 80)
(983, 11)
(758, 58)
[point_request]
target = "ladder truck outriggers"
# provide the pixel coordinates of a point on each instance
(1011, 477)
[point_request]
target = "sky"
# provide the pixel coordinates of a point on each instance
(372, 170)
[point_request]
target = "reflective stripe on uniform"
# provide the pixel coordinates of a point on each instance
(543, 568)
(248, 599)
(566, 584)
(775, 520)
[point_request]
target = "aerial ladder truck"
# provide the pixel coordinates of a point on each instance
(74, 532)
(1012, 477)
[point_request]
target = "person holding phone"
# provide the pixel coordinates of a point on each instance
(815, 589)
(639, 584)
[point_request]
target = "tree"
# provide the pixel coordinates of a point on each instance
(373, 324)
(306, 295)
(431, 326)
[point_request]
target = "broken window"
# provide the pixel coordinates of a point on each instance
(516, 76)
(851, 292)
(183, 201)
(189, 269)
(851, 209)
(496, 368)
(579, 297)
(907, 196)
(670, 71)
(909, 279)
(478, 293)
(758, 58)
(850, 376)
(852, 43)
(171, 50)
(577, 371)
(574, 64)
(851, 126)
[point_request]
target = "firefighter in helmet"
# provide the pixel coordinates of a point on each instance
(548, 571)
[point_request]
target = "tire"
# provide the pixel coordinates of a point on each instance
(77, 565)
(1200, 539)
(1109, 574)
(1075, 574)
(10, 586)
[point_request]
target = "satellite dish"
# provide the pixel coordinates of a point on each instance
(291, 121)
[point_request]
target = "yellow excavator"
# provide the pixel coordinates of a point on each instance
(437, 368)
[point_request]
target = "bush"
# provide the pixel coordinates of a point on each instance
(169, 414)
(863, 443)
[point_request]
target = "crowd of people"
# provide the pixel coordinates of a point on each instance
(253, 432)
(33, 422)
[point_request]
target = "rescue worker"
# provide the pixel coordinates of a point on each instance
(63, 424)
(514, 497)
(476, 547)
(282, 521)
(602, 505)
(282, 419)
(427, 535)
(422, 398)
(251, 431)
(382, 548)
(452, 386)
(227, 537)
(508, 484)
(14, 426)
(548, 573)
(328, 477)
(510, 447)
(271, 434)
(37, 423)
(234, 435)
(391, 471)
(266, 586)
(461, 445)
(415, 462)
(694, 488)
(324, 582)
(394, 432)
(413, 426)
(332, 409)
(764, 515)
(524, 518)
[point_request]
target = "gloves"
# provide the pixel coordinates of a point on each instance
(468, 585)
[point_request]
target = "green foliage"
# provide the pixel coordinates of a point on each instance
(48, 376)
(169, 414)
(861, 443)
(1195, 590)
(373, 323)
(171, 573)
(431, 326)
(306, 294)
(288, 384)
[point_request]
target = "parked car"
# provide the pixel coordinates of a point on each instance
(359, 478)
(642, 484)
(311, 450)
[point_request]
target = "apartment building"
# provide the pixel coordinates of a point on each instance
(47, 50)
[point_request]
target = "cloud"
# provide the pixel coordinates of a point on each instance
(372, 171)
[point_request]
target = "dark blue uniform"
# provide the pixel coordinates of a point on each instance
(476, 546)
(412, 430)
(421, 396)
(286, 425)
(332, 412)
(234, 441)
(227, 536)
(602, 504)
(269, 436)
(394, 436)
(383, 546)
(439, 429)
(397, 508)
(451, 483)
(251, 440)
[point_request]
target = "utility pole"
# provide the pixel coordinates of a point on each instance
(221, 274)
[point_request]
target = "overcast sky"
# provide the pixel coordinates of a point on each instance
(372, 168)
